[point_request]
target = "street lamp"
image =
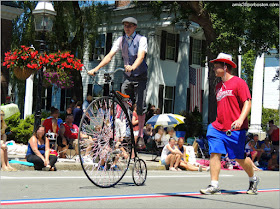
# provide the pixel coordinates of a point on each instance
(44, 14)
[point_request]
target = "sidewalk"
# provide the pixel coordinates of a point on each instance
(65, 164)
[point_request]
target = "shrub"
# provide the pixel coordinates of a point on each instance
(22, 129)
(193, 123)
(269, 114)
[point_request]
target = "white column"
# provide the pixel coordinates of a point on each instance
(28, 101)
(205, 96)
(257, 94)
(239, 65)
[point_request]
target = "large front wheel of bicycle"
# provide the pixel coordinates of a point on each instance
(139, 172)
(105, 141)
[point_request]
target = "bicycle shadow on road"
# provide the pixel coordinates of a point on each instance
(118, 186)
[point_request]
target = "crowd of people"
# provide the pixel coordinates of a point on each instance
(41, 152)
(265, 153)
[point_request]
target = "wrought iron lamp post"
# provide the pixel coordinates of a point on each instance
(44, 14)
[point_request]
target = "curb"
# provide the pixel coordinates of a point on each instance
(77, 166)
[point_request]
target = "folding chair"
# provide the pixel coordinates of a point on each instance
(203, 147)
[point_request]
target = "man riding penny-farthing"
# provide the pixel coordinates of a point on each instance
(106, 152)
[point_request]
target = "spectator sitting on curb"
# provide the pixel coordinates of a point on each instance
(68, 134)
(273, 162)
(171, 134)
(255, 151)
(38, 151)
(171, 156)
(273, 133)
(160, 137)
(183, 161)
(5, 166)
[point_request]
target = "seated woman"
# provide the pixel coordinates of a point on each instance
(183, 162)
(273, 164)
(171, 156)
(38, 151)
(267, 148)
(5, 166)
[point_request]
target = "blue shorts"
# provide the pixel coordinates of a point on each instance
(220, 143)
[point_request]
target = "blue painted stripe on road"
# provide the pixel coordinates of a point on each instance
(114, 197)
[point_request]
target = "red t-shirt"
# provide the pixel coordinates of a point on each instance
(135, 127)
(71, 132)
(48, 125)
(275, 135)
(230, 96)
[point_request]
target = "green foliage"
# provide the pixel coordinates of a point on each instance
(22, 129)
(269, 114)
(193, 123)
(247, 65)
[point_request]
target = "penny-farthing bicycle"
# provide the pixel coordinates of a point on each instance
(106, 140)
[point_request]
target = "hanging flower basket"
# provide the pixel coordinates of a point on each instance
(59, 67)
(22, 61)
(23, 73)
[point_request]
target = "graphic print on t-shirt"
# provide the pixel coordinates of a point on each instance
(222, 94)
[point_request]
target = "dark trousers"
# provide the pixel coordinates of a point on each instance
(39, 163)
(136, 88)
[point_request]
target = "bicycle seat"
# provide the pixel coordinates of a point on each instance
(125, 96)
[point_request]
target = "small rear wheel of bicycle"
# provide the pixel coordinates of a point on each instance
(105, 141)
(139, 172)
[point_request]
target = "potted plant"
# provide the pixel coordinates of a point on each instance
(22, 61)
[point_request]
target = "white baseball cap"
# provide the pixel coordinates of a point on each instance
(130, 20)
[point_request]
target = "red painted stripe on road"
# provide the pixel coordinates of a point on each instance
(118, 197)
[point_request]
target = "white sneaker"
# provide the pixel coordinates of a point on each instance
(257, 163)
(172, 169)
(200, 168)
(77, 158)
(178, 169)
(87, 159)
(208, 169)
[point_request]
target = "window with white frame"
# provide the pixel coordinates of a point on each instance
(196, 51)
(169, 99)
(169, 46)
(99, 50)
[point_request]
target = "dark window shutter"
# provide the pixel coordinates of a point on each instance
(177, 47)
(49, 98)
(62, 100)
(163, 44)
(174, 96)
(190, 52)
(89, 90)
(188, 99)
(160, 96)
(109, 38)
(201, 100)
(203, 53)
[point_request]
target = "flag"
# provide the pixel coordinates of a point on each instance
(195, 80)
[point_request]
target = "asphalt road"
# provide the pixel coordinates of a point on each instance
(163, 189)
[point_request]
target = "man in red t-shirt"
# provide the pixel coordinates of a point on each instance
(233, 105)
(68, 134)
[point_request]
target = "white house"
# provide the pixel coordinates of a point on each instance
(172, 51)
